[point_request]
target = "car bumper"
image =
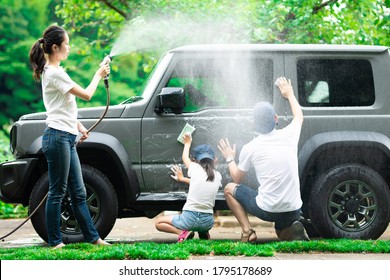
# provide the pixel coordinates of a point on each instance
(14, 177)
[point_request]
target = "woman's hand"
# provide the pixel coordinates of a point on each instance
(83, 131)
(103, 71)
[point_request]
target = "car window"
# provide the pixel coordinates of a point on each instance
(223, 82)
(335, 82)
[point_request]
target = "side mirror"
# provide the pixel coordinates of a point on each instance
(170, 99)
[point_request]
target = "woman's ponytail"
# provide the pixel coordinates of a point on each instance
(37, 59)
(53, 35)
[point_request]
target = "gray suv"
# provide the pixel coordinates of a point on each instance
(344, 149)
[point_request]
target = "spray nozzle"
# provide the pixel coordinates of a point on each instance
(106, 60)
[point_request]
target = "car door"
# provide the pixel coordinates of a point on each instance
(221, 89)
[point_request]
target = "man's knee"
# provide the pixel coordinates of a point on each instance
(229, 189)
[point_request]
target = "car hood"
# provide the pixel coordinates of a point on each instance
(85, 113)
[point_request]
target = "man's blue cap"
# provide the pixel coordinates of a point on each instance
(203, 151)
(264, 117)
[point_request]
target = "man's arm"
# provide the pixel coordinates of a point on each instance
(287, 91)
(229, 153)
(236, 174)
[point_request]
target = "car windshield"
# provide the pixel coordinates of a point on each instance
(132, 99)
(139, 97)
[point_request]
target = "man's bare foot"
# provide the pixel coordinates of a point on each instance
(58, 246)
(100, 242)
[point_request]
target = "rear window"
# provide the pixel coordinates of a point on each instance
(235, 81)
(335, 82)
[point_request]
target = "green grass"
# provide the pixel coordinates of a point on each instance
(10, 211)
(182, 251)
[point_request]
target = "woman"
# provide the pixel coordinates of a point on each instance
(58, 143)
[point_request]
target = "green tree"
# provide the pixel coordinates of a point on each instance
(21, 24)
(146, 29)
(264, 21)
(18, 92)
(143, 30)
(331, 22)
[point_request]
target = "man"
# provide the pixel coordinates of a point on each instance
(273, 154)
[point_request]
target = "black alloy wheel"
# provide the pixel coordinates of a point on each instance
(350, 201)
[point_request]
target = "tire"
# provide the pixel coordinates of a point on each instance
(310, 230)
(350, 201)
(101, 201)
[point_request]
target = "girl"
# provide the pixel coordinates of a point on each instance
(198, 214)
(58, 142)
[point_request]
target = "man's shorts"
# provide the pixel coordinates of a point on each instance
(246, 196)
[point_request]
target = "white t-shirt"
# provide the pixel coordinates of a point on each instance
(274, 157)
(61, 106)
(201, 193)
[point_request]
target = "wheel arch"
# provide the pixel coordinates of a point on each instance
(107, 154)
(325, 150)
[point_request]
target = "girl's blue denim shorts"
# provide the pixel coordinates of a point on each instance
(193, 221)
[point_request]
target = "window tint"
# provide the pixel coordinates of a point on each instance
(335, 82)
(222, 81)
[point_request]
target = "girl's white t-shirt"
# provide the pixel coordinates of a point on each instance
(201, 193)
(61, 106)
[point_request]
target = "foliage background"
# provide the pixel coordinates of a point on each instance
(143, 30)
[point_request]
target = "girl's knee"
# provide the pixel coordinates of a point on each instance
(161, 221)
(157, 224)
(157, 221)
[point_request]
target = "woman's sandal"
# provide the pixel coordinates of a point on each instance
(247, 237)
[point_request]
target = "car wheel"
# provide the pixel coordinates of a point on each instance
(101, 201)
(350, 201)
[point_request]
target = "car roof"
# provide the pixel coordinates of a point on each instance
(280, 48)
